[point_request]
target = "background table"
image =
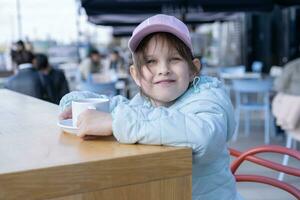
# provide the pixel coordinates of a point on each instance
(38, 161)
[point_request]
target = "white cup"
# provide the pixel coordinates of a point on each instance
(78, 106)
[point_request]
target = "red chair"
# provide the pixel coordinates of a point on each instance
(249, 156)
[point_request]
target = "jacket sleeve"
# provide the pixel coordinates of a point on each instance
(203, 129)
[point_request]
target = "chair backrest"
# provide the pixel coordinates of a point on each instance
(240, 69)
(257, 66)
(249, 156)
(252, 85)
(108, 89)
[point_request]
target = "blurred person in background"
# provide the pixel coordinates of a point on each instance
(20, 55)
(288, 83)
(289, 80)
(26, 80)
(91, 64)
(53, 80)
(116, 62)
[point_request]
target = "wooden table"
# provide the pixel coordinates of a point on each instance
(38, 161)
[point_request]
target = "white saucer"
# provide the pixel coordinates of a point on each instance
(67, 126)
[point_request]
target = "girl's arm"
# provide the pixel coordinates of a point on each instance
(90, 122)
(204, 129)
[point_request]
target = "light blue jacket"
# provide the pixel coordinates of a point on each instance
(202, 119)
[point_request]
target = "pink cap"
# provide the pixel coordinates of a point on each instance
(160, 23)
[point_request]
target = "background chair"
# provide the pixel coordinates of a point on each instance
(291, 142)
(226, 72)
(248, 156)
(108, 89)
(240, 69)
(243, 89)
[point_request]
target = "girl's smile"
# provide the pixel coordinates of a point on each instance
(165, 82)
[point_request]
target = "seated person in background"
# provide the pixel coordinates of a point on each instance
(19, 54)
(116, 62)
(289, 81)
(92, 64)
(27, 79)
(53, 80)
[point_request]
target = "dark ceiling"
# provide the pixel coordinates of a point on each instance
(131, 12)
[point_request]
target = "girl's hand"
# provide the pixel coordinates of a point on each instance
(66, 114)
(92, 122)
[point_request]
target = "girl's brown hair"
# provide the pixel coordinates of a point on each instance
(139, 56)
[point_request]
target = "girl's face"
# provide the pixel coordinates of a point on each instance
(165, 75)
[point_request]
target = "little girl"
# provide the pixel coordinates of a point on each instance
(175, 106)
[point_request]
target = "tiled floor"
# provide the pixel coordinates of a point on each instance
(255, 191)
